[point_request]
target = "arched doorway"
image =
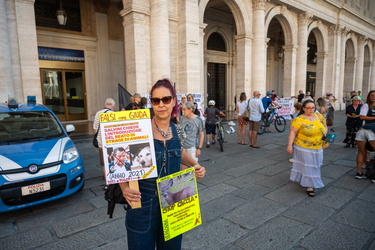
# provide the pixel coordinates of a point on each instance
(216, 72)
(350, 65)
(275, 57)
(311, 64)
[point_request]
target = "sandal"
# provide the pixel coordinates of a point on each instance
(255, 146)
(347, 145)
(310, 193)
(243, 143)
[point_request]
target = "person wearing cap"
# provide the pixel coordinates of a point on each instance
(210, 126)
(267, 100)
(135, 102)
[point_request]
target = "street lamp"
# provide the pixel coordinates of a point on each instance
(280, 53)
(61, 15)
(314, 59)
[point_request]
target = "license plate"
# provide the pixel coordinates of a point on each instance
(36, 188)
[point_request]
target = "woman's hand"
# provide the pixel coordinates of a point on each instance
(289, 149)
(129, 194)
(199, 171)
(198, 152)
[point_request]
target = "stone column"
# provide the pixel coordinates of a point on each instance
(343, 32)
(103, 57)
(243, 71)
(203, 63)
(258, 48)
(372, 74)
(135, 36)
(301, 66)
(189, 47)
(27, 46)
(159, 31)
(6, 72)
(321, 66)
(290, 52)
(359, 69)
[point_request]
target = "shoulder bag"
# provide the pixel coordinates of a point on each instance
(246, 114)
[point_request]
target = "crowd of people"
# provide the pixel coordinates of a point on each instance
(311, 122)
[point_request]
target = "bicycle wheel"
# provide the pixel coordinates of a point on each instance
(280, 124)
(220, 136)
(262, 128)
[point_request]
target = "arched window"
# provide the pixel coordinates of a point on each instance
(216, 42)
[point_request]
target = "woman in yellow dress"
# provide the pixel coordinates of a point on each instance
(305, 143)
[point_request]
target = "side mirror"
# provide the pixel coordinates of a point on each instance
(70, 128)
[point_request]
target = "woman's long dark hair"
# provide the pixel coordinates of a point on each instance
(243, 97)
(301, 112)
(369, 103)
(166, 83)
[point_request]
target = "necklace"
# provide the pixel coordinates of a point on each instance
(162, 132)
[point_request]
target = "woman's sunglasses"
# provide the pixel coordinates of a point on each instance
(165, 100)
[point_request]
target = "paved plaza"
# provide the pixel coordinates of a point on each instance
(247, 202)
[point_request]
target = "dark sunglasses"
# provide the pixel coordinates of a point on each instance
(165, 99)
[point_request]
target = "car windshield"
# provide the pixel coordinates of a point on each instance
(21, 127)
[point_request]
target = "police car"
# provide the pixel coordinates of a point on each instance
(38, 161)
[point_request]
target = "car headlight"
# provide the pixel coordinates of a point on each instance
(70, 155)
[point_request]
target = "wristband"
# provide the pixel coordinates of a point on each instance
(199, 148)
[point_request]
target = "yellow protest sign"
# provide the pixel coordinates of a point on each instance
(179, 203)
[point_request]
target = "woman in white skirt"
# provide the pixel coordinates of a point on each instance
(305, 143)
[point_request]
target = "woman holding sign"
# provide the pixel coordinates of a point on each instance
(144, 225)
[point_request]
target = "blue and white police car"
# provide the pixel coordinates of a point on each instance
(38, 160)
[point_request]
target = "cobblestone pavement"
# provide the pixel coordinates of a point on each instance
(247, 202)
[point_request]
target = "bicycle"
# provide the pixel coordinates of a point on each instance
(279, 121)
(220, 132)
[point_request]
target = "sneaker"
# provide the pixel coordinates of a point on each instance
(360, 176)
(373, 180)
(207, 145)
(213, 142)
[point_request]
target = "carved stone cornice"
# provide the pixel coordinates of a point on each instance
(361, 39)
(344, 31)
(304, 18)
(139, 6)
(260, 4)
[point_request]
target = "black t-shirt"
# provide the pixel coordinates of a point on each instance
(300, 97)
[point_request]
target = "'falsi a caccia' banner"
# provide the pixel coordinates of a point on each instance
(179, 203)
(128, 146)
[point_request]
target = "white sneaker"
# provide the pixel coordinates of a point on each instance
(373, 180)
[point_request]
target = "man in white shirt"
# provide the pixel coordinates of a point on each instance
(256, 110)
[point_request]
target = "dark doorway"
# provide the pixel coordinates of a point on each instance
(310, 82)
(216, 75)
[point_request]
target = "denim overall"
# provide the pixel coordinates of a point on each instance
(144, 225)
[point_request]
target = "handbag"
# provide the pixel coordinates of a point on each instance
(246, 115)
(95, 139)
(327, 140)
(113, 194)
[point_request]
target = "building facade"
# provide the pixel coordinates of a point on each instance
(218, 48)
